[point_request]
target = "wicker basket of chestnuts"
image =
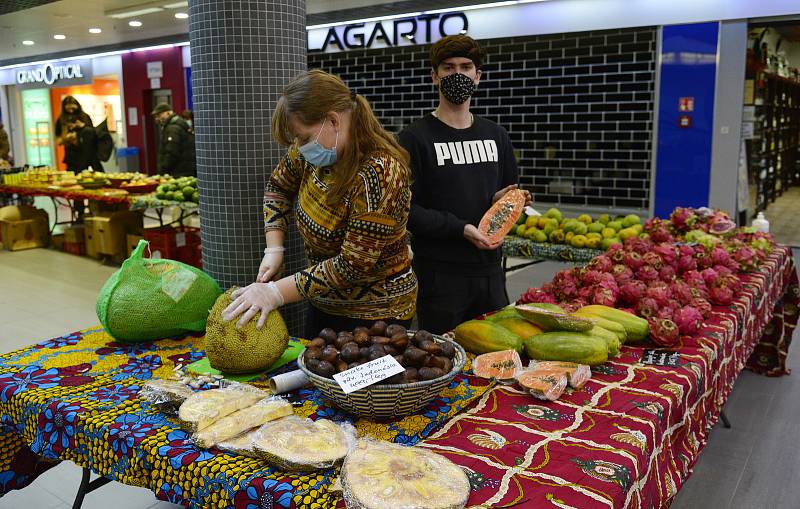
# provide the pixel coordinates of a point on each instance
(430, 363)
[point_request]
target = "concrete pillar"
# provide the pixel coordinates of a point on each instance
(243, 53)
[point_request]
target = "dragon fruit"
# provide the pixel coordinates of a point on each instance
(572, 306)
(722, 270)
(686, 263)
(536, 295)
(647, 307)
(622, 274)
(688, 320)
(661, 234)
(617, 253)
(720, 295)
(665, 312)
(663, 331)
(667, 273)
(647, 274)
(728, 281)
(681, 292)
(693, 279)
(605, 296)
(720, 256)
(685, 251)
(585, 293)
(721, 226)
(633, 260)
(668, 253)
(746, 258)
(699, 292)
(652, 259)
(591, 277)
(638, 245)
(659, 291)
(702, 305)
(709, 276)
(703, 260)
(601, 263)
(683, 218)
(632, 292)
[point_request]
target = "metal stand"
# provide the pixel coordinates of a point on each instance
(506, 268)
(88, 487)
(725, 422)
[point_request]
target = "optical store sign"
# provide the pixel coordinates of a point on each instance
(50, 74)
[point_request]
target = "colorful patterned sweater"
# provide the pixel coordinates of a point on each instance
(360, 264)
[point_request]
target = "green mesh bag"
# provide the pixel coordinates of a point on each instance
(150, 299)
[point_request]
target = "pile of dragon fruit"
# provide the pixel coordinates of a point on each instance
(672, 283)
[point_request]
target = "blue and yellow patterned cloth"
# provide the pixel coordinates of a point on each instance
(75, 398)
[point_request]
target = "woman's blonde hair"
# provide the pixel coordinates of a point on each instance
(313, 94)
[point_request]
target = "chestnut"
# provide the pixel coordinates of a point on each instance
(399, 341)
(330, 353)
(431, 347)
(430, 373)
(399, 359)
(363, 352)
(378, 328)
(411, 375)
(415, 357)
(362, 338)
(361, 328)
(422, 335)
(354, 364)
(312, 364)
(390, 350)
(448, 350)
(317, 343)
(341, 366)
(326, 369)
(328, 334)
(394, 328)
(349, 352)
(312, 353)
(380, 340)
(342, 340)
(376, 352)
(399, 378)
(438, 362)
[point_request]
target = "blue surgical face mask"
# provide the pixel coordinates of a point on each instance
(316, 154)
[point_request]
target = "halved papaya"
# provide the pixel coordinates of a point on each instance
(502, 216)
(501, 365)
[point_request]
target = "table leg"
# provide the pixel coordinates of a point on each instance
(725, 422)
(88, 487)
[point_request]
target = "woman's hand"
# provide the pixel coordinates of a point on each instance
(251, 300)
(271, 264)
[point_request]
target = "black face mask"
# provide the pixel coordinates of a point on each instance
(457, 88)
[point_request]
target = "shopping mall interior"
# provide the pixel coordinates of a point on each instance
(658, 153)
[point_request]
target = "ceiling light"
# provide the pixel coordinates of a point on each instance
(59, 37)
(132, 13)
(181, 15)
(95, 30)
(175, 5)
(27, 43)
(134, 23)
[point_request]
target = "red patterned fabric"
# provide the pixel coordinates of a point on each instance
(631, 436)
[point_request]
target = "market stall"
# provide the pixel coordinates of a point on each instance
(627, 439)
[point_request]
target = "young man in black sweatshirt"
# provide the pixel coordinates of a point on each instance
(461, 164)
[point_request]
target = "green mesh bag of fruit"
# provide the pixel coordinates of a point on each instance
(149, 299)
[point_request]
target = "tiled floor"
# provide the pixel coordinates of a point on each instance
(784, 217)
(44, 293)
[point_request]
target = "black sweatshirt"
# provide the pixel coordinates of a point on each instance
(456, 172)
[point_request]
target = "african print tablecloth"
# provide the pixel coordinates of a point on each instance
(516, 246)
(75, 398)
(106, 195)
(628, 439)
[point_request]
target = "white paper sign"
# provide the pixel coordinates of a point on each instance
(133, 116)
(367, 374)
(155, 70)
(180, 239)
(155, 83)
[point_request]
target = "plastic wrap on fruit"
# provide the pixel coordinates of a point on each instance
(549, 386)
(293, 444)
(204, 408)
(238, 422)
(577, 374)
(167, 395)
(503, 365)
(382, 475)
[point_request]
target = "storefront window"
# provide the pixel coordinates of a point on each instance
(37, 121)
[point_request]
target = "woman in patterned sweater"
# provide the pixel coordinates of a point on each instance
(347, 182)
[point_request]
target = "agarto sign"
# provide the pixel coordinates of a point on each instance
(49, 73)
(422, 29)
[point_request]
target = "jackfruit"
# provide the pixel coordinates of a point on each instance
(202, 409)
(242, 420)
(302, 445)
(243, 350)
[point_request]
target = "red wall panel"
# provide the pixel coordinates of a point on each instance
(138, 94)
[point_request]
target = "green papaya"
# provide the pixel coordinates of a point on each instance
(484, 336)
(554, 320)
(567, 347)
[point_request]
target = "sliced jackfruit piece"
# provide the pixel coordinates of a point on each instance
(202, 409)
(242, 420)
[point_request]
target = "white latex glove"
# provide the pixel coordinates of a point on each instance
(251, 300)
(271, 264)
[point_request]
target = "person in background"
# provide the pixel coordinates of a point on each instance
(346, 181)
(188, 116)
(5, 146)
(176, 154)
(74, 130)
(461, 165)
